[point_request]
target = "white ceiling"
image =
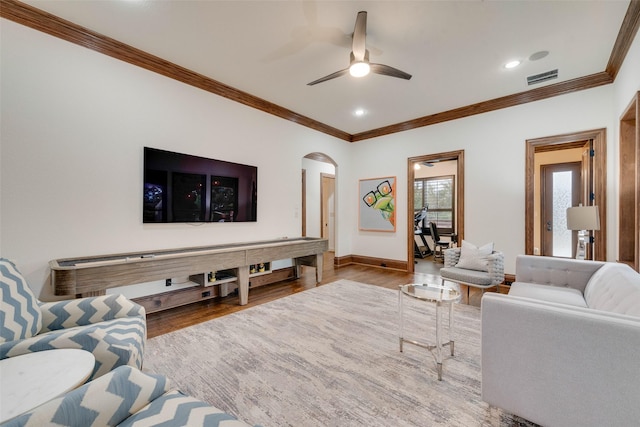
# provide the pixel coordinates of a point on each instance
(455, 50)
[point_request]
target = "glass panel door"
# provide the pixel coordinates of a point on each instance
(560, 190)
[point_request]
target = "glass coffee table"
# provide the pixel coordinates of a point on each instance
(440, 295)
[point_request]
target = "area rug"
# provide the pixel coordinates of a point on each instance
(329, 356)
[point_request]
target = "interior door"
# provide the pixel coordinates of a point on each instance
(327, 209)
(304, 203)
(561, 188)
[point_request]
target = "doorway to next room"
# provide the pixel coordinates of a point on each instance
(435, 209)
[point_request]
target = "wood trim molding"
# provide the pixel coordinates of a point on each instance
(599, 178)
(562, 88)
(458, 156)
(629, 185)
(47, 23)
(370, 261)
(627, 33)
(40, 20)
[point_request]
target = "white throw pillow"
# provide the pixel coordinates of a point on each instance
(473, 257)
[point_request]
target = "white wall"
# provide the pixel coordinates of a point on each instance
(628, 80)
(74, 124)
(494, 145)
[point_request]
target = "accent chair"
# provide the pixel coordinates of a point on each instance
(481, 268)
(111, 327)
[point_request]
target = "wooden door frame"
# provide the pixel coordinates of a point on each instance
(561, 142)
(323, 199)
(304, 203)
(629, 185)
(458, 156)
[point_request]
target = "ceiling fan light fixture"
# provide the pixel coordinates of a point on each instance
(359, 69)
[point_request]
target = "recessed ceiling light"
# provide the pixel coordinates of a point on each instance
(512, 64)
(359, 112)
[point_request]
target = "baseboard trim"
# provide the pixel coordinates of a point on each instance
(392, 265)
(370, 261)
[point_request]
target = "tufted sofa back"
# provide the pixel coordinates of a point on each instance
(555, 271)
(616, 288)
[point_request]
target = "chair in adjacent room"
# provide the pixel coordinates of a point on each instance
(419, 230)
(111, 327)
(478, 267)
(438, 244)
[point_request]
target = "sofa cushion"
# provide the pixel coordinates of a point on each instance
(106, 401)
(473, 257)
(21, 315)
(556, 294)
(176, 409)
(473, 277)
(113, 343)
(615, 288)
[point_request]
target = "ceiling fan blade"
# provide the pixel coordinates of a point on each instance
(358, 47)
(389, 71)
(329, 77)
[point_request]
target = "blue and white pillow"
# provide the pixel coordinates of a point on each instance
(20, 316)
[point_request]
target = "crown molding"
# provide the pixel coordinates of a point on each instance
(40, 20)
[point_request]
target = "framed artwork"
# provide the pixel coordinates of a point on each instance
(377, 201)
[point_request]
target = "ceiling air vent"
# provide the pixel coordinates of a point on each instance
(543, 77)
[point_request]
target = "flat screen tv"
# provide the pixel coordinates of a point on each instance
(184, 188)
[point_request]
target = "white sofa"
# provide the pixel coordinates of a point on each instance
(563, 347)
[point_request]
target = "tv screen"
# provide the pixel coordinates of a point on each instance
(184, 188)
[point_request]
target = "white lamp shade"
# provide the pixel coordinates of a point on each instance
(583, 218)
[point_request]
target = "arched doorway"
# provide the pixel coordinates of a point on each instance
(319, 197)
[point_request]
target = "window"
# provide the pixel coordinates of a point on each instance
(437, 195)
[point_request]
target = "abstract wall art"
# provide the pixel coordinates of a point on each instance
(377, 200)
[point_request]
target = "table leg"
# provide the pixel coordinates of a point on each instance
(243, 284)
(451, 325)
(319, 267)
(439, 340)
(401, 315)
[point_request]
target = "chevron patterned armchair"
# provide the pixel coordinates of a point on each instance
(126, 397)
(111, 327)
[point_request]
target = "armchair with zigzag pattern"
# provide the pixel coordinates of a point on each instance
(111, 327)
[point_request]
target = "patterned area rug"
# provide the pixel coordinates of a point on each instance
(329, 356)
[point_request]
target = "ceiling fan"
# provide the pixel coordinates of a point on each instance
(360, 65)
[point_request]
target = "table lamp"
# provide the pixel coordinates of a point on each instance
(583, 219)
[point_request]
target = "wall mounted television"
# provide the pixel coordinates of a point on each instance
(185, 188)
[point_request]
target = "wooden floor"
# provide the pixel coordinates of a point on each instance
(170, 320)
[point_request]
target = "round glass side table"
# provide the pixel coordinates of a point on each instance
(440, 295)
